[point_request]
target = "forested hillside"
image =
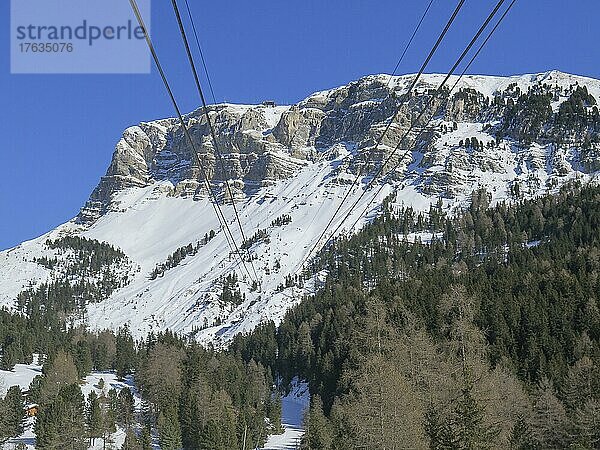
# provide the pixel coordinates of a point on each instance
(480, 331)
(485, 337)
(191, 396)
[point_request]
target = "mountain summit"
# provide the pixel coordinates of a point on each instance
(147, 250)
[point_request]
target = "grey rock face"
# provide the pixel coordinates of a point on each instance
(261, 144)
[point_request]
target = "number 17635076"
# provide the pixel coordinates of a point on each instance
(46, 47)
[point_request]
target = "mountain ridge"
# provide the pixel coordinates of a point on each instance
(296, 161)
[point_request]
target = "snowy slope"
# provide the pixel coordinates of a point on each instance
(23, 374)
(186, 296)
(293, 408)
(488, 85)
(92, 383)
(148, 217)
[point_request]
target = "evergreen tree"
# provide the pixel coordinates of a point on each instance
(210, 437)
(318, 433)
(104, 351)
(273, 411)
(131, 441)
(168, 430)
(61, 424)
(11, 414)
(94, 417)
(125, 352)
(521, 437)
(83, 358)
(146, 439)
(35, 389)
(467, 427)
(109, 409)
(13, 410)
(126, 408)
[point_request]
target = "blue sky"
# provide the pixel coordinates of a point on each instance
(58, 131)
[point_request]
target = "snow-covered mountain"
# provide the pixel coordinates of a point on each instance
(290, 166)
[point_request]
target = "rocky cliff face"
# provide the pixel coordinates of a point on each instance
(552, 110)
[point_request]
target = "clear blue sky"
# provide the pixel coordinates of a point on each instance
(58, 132)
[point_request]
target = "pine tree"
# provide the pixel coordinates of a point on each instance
(131, 441)
(83, 358)
(126, 408)
(11, 354)
(168, 430)
(104, 351)
(125, 352)
(112, 407)
(146, 439)
(4, 428)
(468, 425)
(521, 437)
(210, 437)
(12, 407)
(109, 409)
(222, 413)
(61, 424)
(273, 411)
(94, 417)
(305, 347)
(318, 429)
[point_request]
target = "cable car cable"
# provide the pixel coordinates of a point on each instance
(212, 132)
(216, 207)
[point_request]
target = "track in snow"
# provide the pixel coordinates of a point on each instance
(293, 408)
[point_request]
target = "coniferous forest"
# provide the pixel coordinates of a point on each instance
(487, 335)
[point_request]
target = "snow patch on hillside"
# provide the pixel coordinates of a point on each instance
(22, 375)
(293, 409)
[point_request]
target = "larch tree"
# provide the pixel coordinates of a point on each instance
(60, 372)
(383, 406)
(586, 424)
(549, 419)
(160, 375)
